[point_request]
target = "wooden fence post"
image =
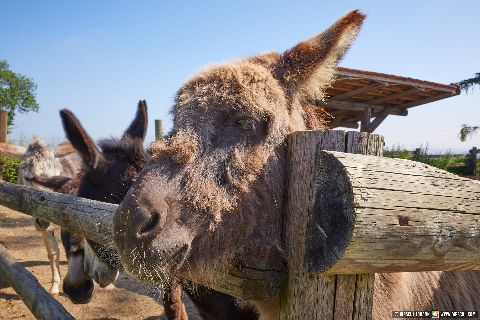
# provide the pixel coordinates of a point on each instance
(36, 298)
(473, 160)
(158, 129)
(309, 295)
(3, 125)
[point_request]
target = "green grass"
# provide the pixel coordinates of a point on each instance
(458, 164)
(9, 168)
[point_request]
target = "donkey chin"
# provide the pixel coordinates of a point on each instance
(78, 286)
(84, 268)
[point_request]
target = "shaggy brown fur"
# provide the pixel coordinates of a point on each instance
(106, 176)
(226, 203)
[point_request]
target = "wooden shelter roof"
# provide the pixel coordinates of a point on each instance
(356, 93)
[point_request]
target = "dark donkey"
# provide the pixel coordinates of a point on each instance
(106, 176)
(217, 188)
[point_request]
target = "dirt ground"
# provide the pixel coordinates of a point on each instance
(128, 300)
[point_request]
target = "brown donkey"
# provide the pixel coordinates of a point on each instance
(107, 174)
(216, 191)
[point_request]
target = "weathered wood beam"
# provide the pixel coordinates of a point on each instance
(394, 96)
(378, 215)
(93, 220)
(158, 129)
(338, 118)
(36, 298)
(3, 125)
(364, 143)
(90, 218)
(358, 106)
(394, 215)
(409, 205)
(17, 152)
(345, 75)
(427, 100)
(367, 116)
(348, 124)
(473, 160)
(339, 122)
(358, 91)
(12, 150)
(378, 120)
(317, 296)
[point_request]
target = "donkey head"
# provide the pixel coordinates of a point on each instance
(215, 192)
(38, 160)
(106, 176)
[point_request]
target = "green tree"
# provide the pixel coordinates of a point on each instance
(467, 84)
(17, 92)
(467, 131)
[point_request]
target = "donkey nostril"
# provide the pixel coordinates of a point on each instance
(79, 293)
(153, 225)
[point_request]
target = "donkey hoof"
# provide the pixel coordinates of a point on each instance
(54, 291)
(111, 286)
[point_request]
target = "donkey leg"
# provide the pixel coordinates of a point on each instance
(173, 302)
(53, 258)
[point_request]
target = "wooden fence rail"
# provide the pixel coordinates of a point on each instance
(42, 305)
(351, 213)
(90, 218)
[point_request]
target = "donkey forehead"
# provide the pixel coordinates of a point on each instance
(241, 85)
(37, 147)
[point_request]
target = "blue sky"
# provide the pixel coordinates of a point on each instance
(98, 58)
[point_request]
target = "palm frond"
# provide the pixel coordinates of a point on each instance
(468, 84)
(467, 131)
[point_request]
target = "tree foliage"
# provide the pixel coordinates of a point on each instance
(468, 84)
(9, 168)
(467, 131)
(17, 92)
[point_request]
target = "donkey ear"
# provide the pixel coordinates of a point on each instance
(80, 139)
(310, 66)
(138, 127)
(12, 150)
(54, 183)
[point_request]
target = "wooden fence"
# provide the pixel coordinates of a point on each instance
(473, 160)
(347, 208)
(42, 305)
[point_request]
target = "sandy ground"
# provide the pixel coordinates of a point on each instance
(128, 300)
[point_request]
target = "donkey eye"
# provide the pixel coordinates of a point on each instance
(246, 123)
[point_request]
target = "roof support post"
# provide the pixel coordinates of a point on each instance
(337, 120)
(378, 120)
(367, 117)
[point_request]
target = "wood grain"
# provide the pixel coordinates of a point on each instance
(316, 239)
(42, 305)
(90, 218)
